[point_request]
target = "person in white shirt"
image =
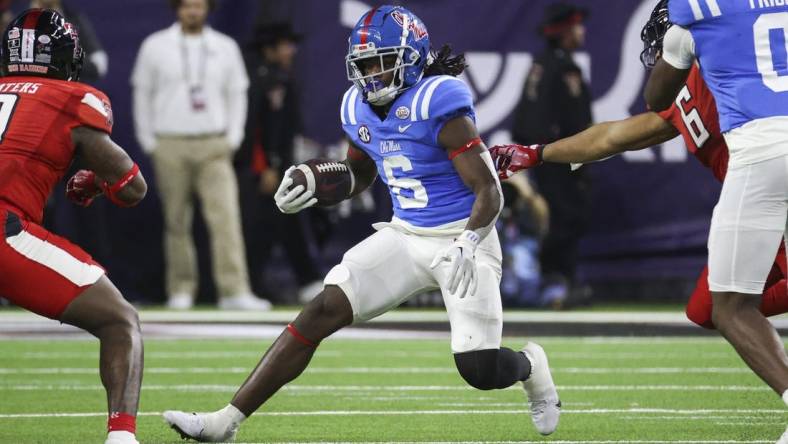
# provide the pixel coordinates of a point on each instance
(190, 105)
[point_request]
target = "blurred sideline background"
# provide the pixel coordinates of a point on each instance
(650, 209)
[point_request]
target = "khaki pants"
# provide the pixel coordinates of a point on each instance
(201, 166)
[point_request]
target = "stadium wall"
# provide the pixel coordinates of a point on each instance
(651, 208)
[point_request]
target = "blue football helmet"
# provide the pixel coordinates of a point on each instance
(397, 40)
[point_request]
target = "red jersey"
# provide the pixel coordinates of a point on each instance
(36, 118)
(694, 114)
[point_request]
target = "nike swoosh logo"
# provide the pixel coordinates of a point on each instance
(402, 129)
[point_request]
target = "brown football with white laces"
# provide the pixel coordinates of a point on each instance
(330, 179)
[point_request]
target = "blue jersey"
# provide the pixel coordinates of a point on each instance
(426, 190)
(742, 47)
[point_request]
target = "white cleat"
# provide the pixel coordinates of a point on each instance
(201, 427)
(783, 439)
(121, 437)
(540, 390)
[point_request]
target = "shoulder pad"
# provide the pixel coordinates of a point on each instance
(93, 108)
(439, 96)
(348, 109)
(687, 12)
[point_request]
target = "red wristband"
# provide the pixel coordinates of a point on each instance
(111, 190)
(471, 143)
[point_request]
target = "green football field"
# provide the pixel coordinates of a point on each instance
(613, 390)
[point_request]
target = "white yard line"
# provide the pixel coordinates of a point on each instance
(628, 441)
(688, 412)
(378, 389)
(377, 370)
(323, 353)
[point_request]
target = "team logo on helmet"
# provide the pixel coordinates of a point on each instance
(364, 134)
(42, 42)
(399, 46)
(415, 26)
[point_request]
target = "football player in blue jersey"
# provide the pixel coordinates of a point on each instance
(741, 47)
(409, 119)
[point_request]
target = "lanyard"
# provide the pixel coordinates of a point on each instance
(202, 62)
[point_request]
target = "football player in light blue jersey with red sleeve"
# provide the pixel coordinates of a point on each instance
(742, 49)
(411, 121)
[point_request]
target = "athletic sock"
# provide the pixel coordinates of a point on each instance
(785, 397)
(122, 436)
(122, 422)
(229, 415)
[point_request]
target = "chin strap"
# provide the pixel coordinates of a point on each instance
(111, 190)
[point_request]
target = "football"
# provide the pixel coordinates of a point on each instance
(330, 179)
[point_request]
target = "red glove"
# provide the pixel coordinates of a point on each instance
(509, 159)
(81, 188)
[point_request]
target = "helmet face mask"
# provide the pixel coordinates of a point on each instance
(387, 53)
(372, 82)
(42, 43)
(652, 34)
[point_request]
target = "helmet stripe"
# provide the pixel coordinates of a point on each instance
(367, 22)
(405, 31)
(31, 21)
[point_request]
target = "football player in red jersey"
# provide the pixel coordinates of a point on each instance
(46, 120)
(693, 114)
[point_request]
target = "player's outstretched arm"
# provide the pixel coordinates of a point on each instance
(606, 139)
(115, 173)
(598, 142)
(362, 167)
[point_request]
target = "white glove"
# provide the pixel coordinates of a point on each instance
(461, 279)
(295, 200)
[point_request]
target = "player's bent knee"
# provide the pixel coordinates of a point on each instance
(122, 319)
(331, 303)
(325, 314)
(130, 316)
(479, 368)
